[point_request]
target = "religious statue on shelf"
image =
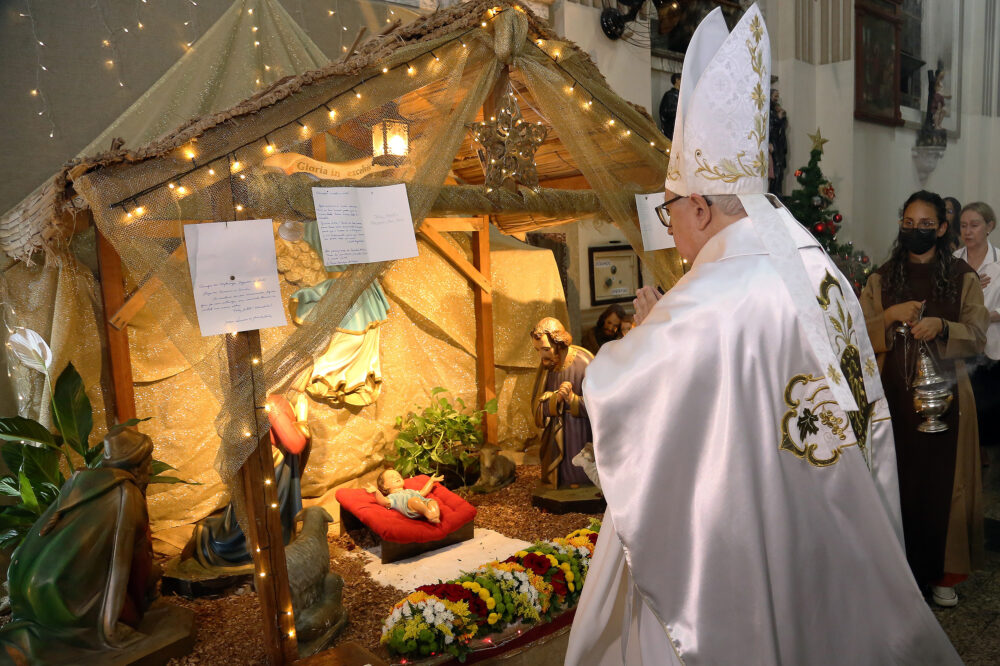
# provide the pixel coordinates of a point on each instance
(84, 575)
(557, 402)
(217, 540)
(392, 494)
(931, 132)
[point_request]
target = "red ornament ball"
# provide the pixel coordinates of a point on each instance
(838, 217)
(819, 227)
(798, 173)
(865, 259)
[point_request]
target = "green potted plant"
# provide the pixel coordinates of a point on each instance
(41, 461)
(441, 439)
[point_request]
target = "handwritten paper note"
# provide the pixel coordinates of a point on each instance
(234, 272)
(360, 225)
(654, 235)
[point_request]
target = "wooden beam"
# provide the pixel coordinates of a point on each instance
(137, 301)
(485, 356)
(260, 493)
(569, 183)
(112, 298)
(454, 223)
(456, 259)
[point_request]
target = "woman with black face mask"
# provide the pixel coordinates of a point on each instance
(939, 299)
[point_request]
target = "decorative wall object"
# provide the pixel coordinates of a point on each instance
(877, 61)
(615, 274)
(941, 56)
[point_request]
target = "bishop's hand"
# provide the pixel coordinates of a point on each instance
(645, 299)
(565, 391)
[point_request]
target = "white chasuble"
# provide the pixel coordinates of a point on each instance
(750, 519)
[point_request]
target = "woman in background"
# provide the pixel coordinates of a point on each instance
(607, 328)
(977, 221)
(939, 298)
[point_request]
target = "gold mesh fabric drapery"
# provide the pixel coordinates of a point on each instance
(59, 300)
(439, 84)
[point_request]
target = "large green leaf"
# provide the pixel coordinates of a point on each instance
(72, 409)
(159, 467)
(438, 389)
(9, 487)
(127, 424)
(491, 406)
(19, 429)
(28, 498)
(158, 478)
(40, 464)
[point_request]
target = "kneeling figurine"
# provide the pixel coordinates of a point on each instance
(392, 494)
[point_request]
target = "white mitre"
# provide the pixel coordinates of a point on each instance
(720, 147)
(720, 133)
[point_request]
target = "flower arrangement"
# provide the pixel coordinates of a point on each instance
(531, 586)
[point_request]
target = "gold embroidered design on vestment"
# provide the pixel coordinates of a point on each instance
(744, 166)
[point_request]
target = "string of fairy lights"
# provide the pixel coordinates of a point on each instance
(324, 116)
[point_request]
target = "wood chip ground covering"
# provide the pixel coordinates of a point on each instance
(229, 628)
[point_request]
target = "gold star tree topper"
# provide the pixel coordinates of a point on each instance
(817, 140)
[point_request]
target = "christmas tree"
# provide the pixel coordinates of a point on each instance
(811, 204)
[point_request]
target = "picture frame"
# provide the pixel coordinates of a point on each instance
(615, 274)
(877, 39)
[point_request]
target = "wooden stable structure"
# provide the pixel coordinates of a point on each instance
(460, 205)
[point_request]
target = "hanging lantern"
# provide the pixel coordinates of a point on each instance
(390, 137)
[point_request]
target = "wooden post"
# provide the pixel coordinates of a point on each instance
(319, 147)
(260, 492)
(485, 363)
(113, 298)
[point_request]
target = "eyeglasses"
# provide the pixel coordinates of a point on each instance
(663, 210)
(924, 223)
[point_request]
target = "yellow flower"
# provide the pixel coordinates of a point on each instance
(484, 594)
(570, 586)
(521, 553)
(569, 576)
(492, 619)
(553, 560)
(491, 603)
(467, 585)
(565, 566)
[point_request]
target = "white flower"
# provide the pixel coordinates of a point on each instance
(448, 639)
(428, 616)
(407, 612)
(31, 349)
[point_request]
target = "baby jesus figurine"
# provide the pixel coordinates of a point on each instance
(392, 494)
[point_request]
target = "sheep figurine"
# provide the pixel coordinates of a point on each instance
(315, 589)
(496, 470)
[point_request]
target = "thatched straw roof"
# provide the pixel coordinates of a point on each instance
(45, 218)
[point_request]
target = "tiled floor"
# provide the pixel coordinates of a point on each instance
(974, 625)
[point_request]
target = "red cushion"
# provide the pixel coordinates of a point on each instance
(391, 525)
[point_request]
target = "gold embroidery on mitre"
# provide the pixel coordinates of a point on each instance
(744, 166)
(817, 428)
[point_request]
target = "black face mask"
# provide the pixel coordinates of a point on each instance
(917, 241)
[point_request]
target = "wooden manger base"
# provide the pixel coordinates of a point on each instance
(169, 633)
(585, 499)
(393, 551)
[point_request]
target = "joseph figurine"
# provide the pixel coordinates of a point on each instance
(557, 402)
(84, 574)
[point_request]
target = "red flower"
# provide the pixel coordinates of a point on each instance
(593, 538)
(539, 564)
(478, 606)
(559, 583)
(446, 591)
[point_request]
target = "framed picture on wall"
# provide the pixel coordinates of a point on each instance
(878, 28)
(615, 274)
